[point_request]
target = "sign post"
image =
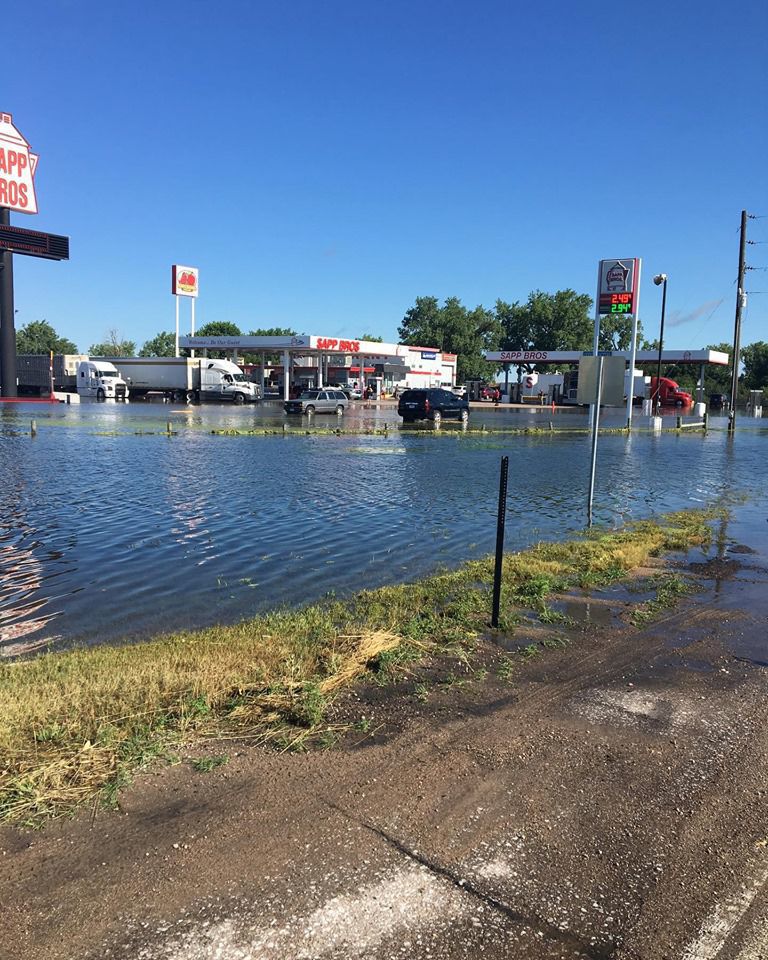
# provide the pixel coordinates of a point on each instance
(17, 192)
(184, 283)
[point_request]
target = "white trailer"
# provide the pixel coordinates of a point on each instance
(184, 379)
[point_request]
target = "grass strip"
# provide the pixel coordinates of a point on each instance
(75, 725)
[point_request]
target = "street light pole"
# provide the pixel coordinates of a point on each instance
(660, 279)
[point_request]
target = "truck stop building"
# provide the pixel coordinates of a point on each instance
(314, 361)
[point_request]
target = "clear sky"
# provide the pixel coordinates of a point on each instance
(325, 162)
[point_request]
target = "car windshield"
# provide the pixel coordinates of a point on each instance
(309, 395)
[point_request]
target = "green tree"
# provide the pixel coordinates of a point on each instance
(38, 336)
(273, 332)
(163, 345)
(113, 346)
(219, 328)
(755, 358)
(371, 338)
(616, 332)
(547, 321)
(453, 328)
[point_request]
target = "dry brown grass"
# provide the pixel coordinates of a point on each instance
(74, 725)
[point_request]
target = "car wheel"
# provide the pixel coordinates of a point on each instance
(437, 418)
(100, 395)
(309, 409)
(340, 409)
(464, 416)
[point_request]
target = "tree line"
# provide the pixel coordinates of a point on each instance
(545, 321)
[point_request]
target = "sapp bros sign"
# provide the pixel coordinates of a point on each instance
(17, 169)
(338, 346)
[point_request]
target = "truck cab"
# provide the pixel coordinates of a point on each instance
(100, 379)
(669, 393)
(222, 379)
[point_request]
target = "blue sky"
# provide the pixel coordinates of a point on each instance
(325, 163)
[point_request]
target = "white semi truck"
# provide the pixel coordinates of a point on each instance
(41, 374)
(184, 379)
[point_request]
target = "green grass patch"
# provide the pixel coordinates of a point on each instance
(76, 725)
(206, 764)
(669, 589)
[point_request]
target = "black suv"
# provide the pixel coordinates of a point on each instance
(432, 404)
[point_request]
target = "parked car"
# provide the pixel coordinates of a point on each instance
(432, 404)
(350, 392)
(718, 401)
(330, 400)
(459, 391)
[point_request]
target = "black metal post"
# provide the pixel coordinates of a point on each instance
(500, 540)
(740, 297)
(7, 328)
(657, 408)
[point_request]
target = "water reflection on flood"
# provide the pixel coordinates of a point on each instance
(111, 529)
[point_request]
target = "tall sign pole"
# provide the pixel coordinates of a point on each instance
(633, 348)
(7, 327)
(17, 192)
(596, 339)
(741, 298)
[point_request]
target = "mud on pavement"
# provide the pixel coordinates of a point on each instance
(608, 799)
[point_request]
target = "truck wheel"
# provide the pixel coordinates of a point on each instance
(238, 398)
(195, 396)
(340, 409)
(437, 418)
(100, 395)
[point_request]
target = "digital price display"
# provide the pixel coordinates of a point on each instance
(621, 303)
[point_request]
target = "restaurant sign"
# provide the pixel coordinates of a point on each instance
(17, 169)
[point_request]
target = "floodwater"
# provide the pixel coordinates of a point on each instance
(110, 529)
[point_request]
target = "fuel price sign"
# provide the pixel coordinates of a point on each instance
(618, 286)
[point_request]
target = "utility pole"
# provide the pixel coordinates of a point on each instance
(740, 300)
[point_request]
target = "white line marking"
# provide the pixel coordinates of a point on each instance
(719, 925)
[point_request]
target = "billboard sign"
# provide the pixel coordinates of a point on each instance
(184, 281)
(618, 286)
(17, 169)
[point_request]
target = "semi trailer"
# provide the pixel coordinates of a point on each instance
(184, 379)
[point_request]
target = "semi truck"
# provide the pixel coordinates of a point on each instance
(185, 379)
(669, 393)
(42, 374)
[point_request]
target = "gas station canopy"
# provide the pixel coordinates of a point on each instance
(574, 356)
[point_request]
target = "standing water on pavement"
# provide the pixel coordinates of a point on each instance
(112, 529)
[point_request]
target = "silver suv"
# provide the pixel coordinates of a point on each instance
(318, 401)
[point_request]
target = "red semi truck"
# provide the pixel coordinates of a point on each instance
(670, 393)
